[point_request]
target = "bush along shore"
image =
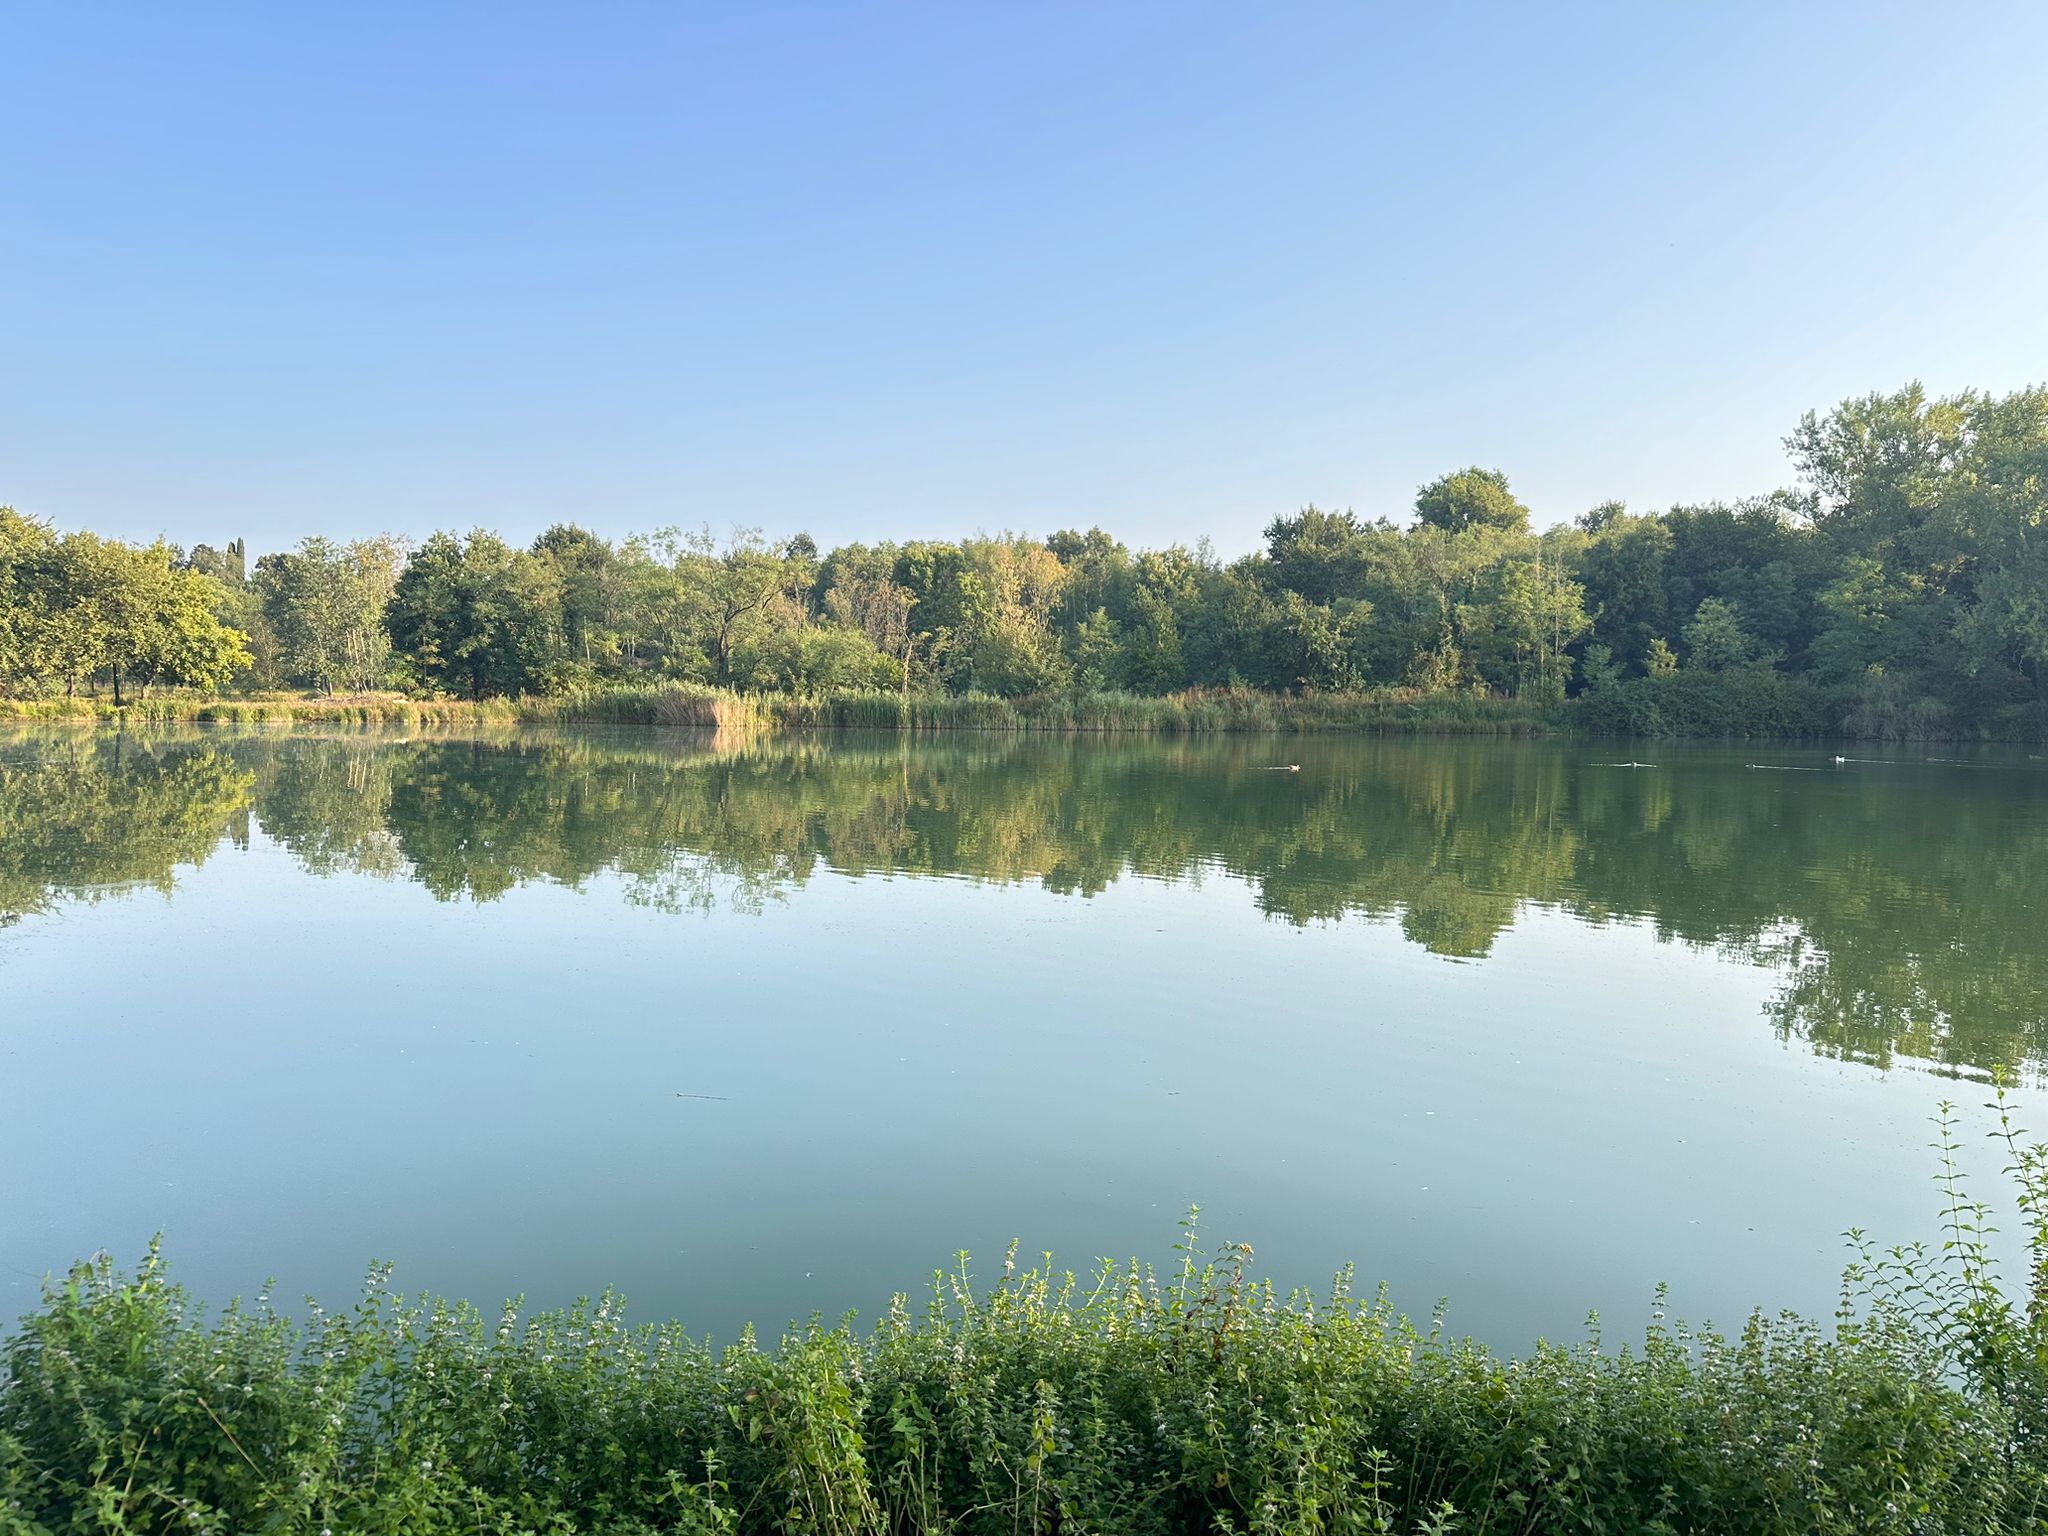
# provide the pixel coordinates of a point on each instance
(1200, 1401)
(685, 704)
(1701, 705)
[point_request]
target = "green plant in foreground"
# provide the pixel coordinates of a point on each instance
(1128, 1402)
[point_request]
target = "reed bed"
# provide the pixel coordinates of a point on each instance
(1195, 712)
(1191, 713)
(288, 709)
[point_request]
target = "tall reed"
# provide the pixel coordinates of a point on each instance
(688, 704)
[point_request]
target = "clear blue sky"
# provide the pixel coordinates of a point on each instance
(886, 270)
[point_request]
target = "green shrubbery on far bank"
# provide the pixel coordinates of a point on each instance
(1751, 703)
(1125, 1403)
(1894, 591)
(685, 704)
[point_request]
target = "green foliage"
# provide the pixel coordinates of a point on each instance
(1699, 701)
(1932, 513)
(1717, 640)
(324, 604)
(1128, 1402)
(78, 608)
(478, 618)
(1321, 556)
(1625, 565)
(1471, 498)
(1902, 585)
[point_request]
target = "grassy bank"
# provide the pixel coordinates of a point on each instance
(1750, 703)
(277, 709)
(1213, 710)
(1133, 1404)
(688, 705)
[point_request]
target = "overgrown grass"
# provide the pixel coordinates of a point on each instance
(690, 704)
(296, 709)
(1744, 703)
(676, 704)
(1201, 1401)
(1194, 712)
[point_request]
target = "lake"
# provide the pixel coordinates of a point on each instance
(764, 1028)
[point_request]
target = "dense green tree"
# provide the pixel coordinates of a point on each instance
(600, 614)
(1098, 577)
(1518, 638)
(138, 615)
(861, 595)
(1929, 513)
(325, 605)
(1622, 569)
(1231, 633)
(934, 574)
(1009, 593)
(1716, 640)
(477, 617)
(1471, 498)
(27, 554)
(730, 599)
(229, 565)
(1598, 519)
(79, 591)
(1761, 555)
(80, 608)
(1993, 513)
(168, 629)
(1151, 656)
(1320, 555)
(1321, 644)
(238, 603)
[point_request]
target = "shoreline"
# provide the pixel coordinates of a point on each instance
(1218, 711)
(1678, 708)
(1200, 1398)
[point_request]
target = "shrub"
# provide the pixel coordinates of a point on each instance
(1747, 701)
(1201, 1402)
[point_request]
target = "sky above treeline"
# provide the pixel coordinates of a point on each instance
(919, 271)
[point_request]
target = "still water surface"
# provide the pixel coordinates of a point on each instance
(757, 1030)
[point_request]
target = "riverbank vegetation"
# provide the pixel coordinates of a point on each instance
(1894, 591)
(1127, 1402)
(1193, 712)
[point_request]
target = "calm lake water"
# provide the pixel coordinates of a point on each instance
(760, 1030)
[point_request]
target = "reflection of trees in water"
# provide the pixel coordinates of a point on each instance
(84, 816)
(1901, 912)
(329, 802)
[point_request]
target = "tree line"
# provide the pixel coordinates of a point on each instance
(1902, 580)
